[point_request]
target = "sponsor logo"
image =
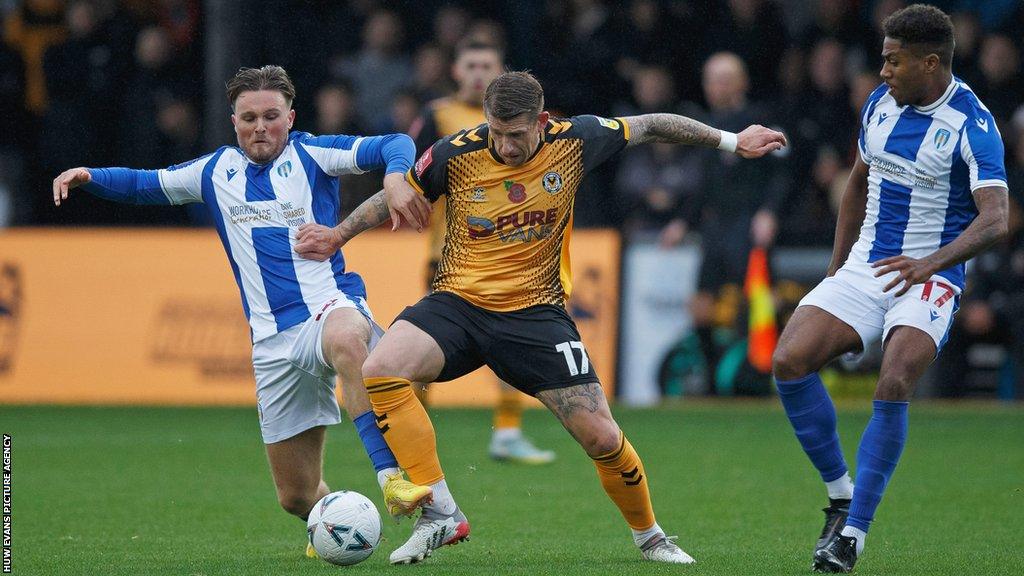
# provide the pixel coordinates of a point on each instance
(244, 214)
(525, 226)
(479, 227)
(208, 334)
(424, 162)
(10, 314)
(982, 123)
(516, 191)
(293, 216)
(925, 180)
(284, 169)
(231, 173)
(479, 194)
(552, 182)
(941, 137)
(610, 124)
(888, 167)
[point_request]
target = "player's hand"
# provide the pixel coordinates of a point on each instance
(672, 234)
(67, 180)
(763, 228)
(911, 271)
(756, 141)
(317, 242)
(405, 202)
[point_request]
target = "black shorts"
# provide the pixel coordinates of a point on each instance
(534, 349)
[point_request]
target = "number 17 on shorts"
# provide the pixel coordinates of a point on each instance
(575, 369)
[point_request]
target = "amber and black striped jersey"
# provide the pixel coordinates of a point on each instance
(442, 117)
(508, 228)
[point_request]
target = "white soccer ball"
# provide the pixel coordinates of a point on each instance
(344, 527)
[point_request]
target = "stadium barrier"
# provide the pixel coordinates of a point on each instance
(144, 316)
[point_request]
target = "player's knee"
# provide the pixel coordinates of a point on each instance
(788, 366)
(376, 366)
(295, 503)
(601, 439)
(895, 387)
(345, 350)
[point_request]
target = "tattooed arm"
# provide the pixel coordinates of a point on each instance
(316, 242)
(754, 142)
(371, 213)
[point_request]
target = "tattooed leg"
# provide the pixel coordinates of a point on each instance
(583, 410)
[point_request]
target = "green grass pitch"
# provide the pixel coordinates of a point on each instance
(188, 492)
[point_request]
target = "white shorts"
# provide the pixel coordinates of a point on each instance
(294, 383)
(855, 296)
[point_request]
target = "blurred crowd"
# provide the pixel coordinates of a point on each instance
(107, 82)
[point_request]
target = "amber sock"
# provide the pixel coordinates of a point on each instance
(406, 428)
(623, 477)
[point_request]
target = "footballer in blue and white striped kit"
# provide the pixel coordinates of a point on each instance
(275, 201)
(928, 192)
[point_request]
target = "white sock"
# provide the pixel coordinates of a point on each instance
(640, 537)
(382, 476)
(860, 535)
(443, 502)
(506, 434)
(841, 488)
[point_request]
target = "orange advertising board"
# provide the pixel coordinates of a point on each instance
(143, 316)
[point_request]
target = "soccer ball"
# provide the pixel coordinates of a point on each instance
(344, 527)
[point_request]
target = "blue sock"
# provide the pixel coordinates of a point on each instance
(813, 416)
(880, 450)
(376, 448)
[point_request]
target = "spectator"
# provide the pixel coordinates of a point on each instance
(756, 32)
(1000, 87)
(379, 70)
(811, 219)
(31, 30)
(739, 203)
(659, 184)
(584, 60)
(335, 110)
(967, 35)
(450, 25)
(156, 82)
(82, 82)
(431, 76)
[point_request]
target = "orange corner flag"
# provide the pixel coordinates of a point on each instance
(763, 333)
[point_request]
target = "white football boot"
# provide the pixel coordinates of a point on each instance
(661, 548)
(430, 532)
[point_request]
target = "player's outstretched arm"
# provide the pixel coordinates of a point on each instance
(852, 209)
(753, 142)
(130, 186)
(990, 225)
(68, 180)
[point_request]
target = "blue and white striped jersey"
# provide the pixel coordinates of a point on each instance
(257, 210)
(925, 163)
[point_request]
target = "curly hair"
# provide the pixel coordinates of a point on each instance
(924, 30)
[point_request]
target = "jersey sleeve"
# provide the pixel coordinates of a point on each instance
(342, 154)
(602, 138)
(428, 174)
(182, 183)
(981, 147)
